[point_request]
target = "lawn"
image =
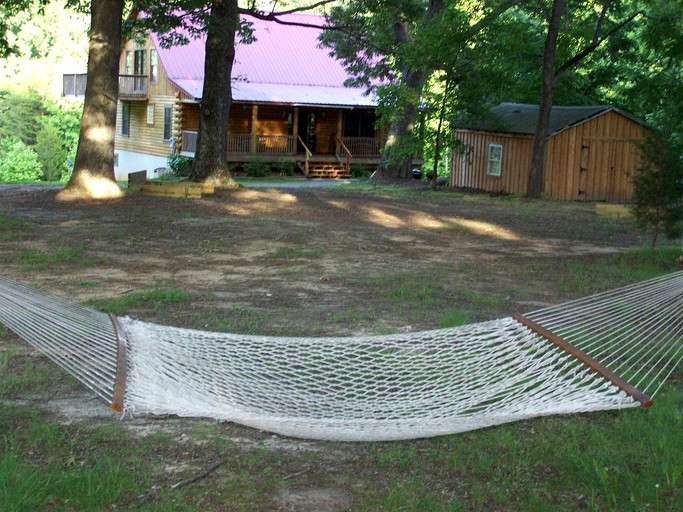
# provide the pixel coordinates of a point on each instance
(347, 260)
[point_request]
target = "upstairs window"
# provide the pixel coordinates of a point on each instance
(495, 159)
(153, 66)
(140, 62)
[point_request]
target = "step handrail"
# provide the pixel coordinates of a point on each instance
(308, 154)
(348, 154)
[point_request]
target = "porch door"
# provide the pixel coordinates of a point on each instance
(307, 130)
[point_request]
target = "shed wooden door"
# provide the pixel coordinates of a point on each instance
(606, 166)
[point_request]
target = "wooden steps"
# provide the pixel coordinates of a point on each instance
(327, 170)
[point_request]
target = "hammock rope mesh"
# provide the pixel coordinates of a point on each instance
(608, 351)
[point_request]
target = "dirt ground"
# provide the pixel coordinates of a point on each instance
(297, 261)
(300, 260)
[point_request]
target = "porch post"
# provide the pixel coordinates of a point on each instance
(295, 127)
(340, 131)
(254, 134)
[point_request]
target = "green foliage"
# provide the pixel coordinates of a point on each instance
(20, 116)
(658, 189)
(180, 166)
(284, 169)
(47, 128)
(18, 162)
(51, 153)
(359, 172)
(256, 167)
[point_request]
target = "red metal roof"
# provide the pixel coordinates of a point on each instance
(284, 65)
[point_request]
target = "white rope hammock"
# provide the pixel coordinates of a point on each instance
(607, 351)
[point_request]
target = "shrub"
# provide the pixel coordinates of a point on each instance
(360, 172)
(18, 162)
(179, 165)
(284, 169)
(256, 168)
(658, 189)
(51, 153)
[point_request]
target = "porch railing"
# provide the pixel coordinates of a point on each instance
(239, 143)
(362, 146)
(133, 86)
(275, 144)
(347, 155)
(245, 144)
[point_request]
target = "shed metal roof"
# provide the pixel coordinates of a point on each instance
(284, 65)
(522, 118)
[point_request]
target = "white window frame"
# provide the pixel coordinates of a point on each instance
(150, 114)
(494, 166)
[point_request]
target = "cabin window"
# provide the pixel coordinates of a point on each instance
(150, 114)
(167, 123)
(495, 159)
(129, 63)
(153, 66)
(125, 119)
(140, 62)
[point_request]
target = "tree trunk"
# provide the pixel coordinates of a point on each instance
(93, 174)
(212, 140)
(548, 82)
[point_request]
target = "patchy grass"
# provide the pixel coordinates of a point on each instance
(340, 273)
(36, 259)
(153, 299)
(15, 228)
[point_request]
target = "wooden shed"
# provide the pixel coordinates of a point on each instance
(590, 154)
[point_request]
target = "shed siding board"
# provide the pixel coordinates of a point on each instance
(471, 170)
(606, 146)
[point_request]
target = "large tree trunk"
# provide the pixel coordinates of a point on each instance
(212, 140)
(93, 174)
(548, 82)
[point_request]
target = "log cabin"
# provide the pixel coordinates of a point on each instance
(590, 154)
(290, 104)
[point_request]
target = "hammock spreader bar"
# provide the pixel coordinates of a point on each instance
(121, 366)
(644, 400)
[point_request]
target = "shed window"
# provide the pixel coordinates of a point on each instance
(495, 159)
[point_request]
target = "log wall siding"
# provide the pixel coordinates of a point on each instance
(590, 161)
(144, 138)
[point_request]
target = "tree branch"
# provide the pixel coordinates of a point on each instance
(591, 47)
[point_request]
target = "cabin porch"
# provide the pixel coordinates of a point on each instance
(322, 142)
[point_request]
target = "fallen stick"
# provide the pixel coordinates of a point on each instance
(199, 476)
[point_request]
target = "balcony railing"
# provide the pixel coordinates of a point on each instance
(361, 147)
(133, 86)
